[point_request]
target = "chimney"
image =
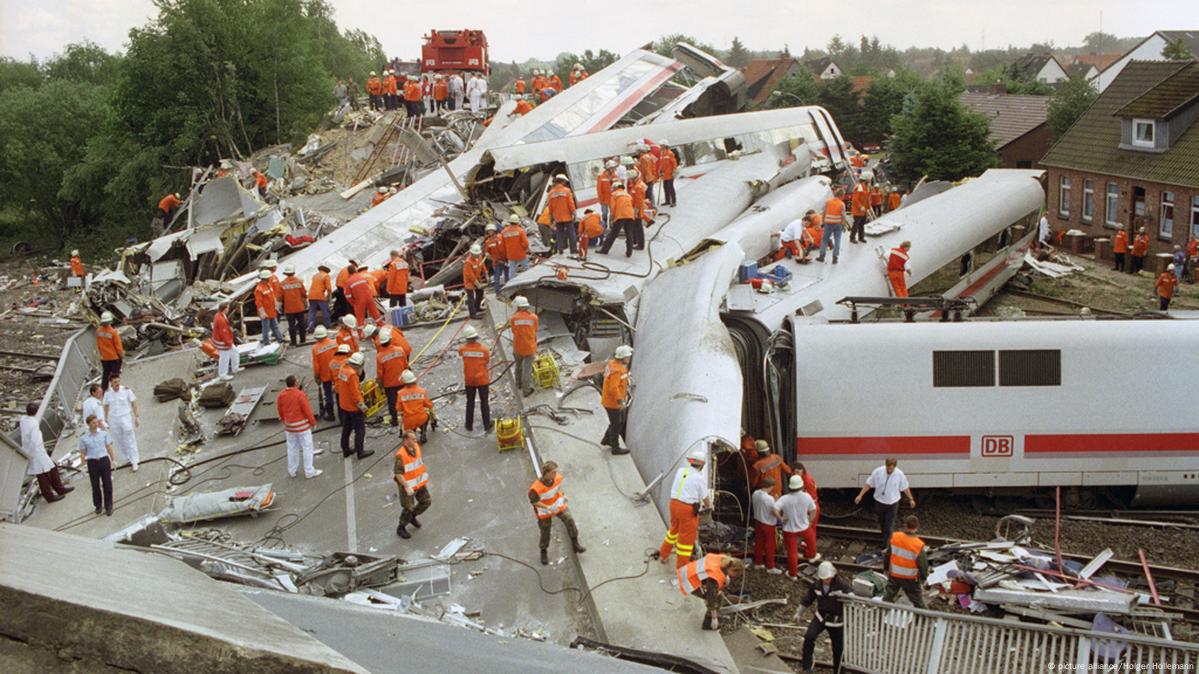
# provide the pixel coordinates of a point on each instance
(999, 87)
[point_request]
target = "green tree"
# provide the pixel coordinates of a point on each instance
(15, 73)
(738, 56)
(801, 88)
(836, 46)
(84, 62)
(1098, 42)
(665, 44)
(1068, 103)
(935, 136)
(1177, 50)
(884, 99)
(838, 97)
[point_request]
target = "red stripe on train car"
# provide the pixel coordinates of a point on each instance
(1111, 442)
(897, 444)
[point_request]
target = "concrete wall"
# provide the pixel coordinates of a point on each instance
(1124, 211)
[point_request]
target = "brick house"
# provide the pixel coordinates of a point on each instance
(1132, 159)
(1017, 125)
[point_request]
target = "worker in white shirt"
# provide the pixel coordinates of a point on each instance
(120, 408)
(763, 505)
(888, 483)
(688, 495)
(93, 404)
(49, 482)
(796, 510)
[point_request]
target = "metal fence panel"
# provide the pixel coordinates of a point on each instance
(894, 639)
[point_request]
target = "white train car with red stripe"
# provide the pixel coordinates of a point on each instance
(987, 405)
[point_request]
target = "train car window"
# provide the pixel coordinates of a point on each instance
(963, 368)
(1031, 367)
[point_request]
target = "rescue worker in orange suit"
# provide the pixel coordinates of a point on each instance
(493, 245)
(267, 304)
(577, 74)
(322, 354)
(474, 279)
(341, 302)
(441, 91)
(1119, 249)
(412, 96)
(524, 324)
(340, 356)
(770, 465)
(762, 508)
(707, 578)
(1140, 248)
(76, 264)
(353, 407)
(412, 478)
(390, 91)
(590, 229)
(555, 83)
(834, 225)
(298, 421)
(561, 202)
(1167, 286)
(614, 396)
(295, 306)
(647, 165)
(894, 199)
(397, 279)
(603, 190)
(538, 82)
(876, 200)
(391, 362)
(907, 565)
(549, 501)
(347, 333)
(688, 495)
(374, 91)
(168, 205)
(791, 241)
(476, 378)
(795, 511)
(108, 344)
(319, 290)
(379, 196)
(859, 207)
(897, 269)
(522, 108)
(415, 406)
(636, 188)
(516, 245)
(519, 85)
(228, 358)
(809, 486)
(825, 596)
(362, 296)
(622, 215)
(668, 163)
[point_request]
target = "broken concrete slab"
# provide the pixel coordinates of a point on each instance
(1086, 601)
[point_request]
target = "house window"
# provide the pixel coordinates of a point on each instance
(1195, 216)
(1088, 199)
(1063, 197)
(1112, 206)
(1142, 132)
(1166, 230)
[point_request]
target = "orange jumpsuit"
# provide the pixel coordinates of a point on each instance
(415, 406)
(772, 466)
(896, 265)
(358, 292)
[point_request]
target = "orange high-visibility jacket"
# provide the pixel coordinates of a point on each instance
(590, 226)
(520, 86)
(322, 353)
(397, 277)
(524, 332)
(373, 86)
(1120, 242)
(295, 297)
(77, 266)
(294, 411)
(319, 289)
(905, 549)
(622, 205)
(411, 468)
(1140, 245)
(222, 334)
(415, 406)
(440, 90)
(516, 243)
(603, 186)
(265, 300)
(616, 385)
(168, 203)
(636, 192)
(860, 201)
(551, 500)
(834, 211)
(389, 85)
(667, 163)
(108, 343)
(336, 362)
(411, 91)
(475, 360)
(346, 336)
(893, 200)
(648, 165)
(693, 575)
(494, 247)
(562, 204)
(1166, 283)
(898, 260)
(349, 389)
(473, 271)
(390, 363)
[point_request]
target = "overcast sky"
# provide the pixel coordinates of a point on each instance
(521, 29)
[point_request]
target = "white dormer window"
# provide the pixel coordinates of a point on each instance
(1142, 132)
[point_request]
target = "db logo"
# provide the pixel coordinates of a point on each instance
(996, 446)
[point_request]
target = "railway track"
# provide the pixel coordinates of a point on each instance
(1183, 584)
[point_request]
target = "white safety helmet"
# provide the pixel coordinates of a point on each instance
(343, 348)
(627, 160)
(470, 332)
(408, 377)
(226, 164)
(698, 456)
(369, 331)
(373, 73)
(106, 317)
(489, 228)
(762, 446)
(826, 570)
(265, 264)
(264, 274)
(272, 263)
(514, 219)
(520, 302)
(561, 176)
(611, 163)
(320, 332)
(289, 270)
(476, 249)
(357, 358)
(74, 252)
(385, 336)
(624, 351)
(578, 66)
(349, 321)
(382, 189)
(634, 173)
(796, 482)
(663, 142)
(1170, 267)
